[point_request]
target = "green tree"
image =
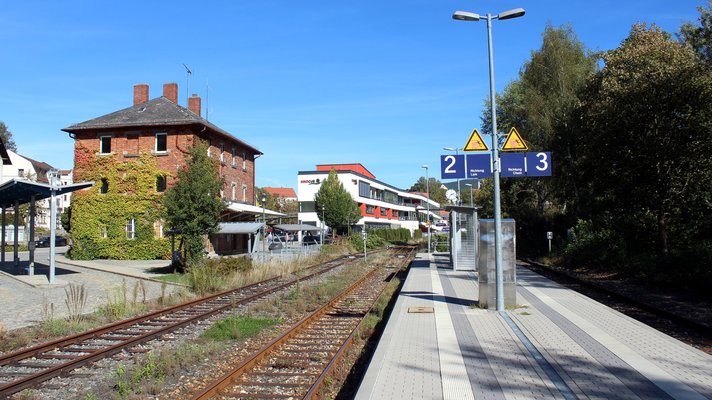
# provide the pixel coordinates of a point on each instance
(193, 204)
(540, 105)
(340, 209)
(437, 192)
(646, 140)
(700, 36)
(6, 136)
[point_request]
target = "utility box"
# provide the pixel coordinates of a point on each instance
(464, 237)
(487, 274)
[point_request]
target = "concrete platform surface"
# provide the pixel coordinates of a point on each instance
(556, 344)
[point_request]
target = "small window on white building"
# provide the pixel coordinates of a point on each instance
(131, 229)
(105, 144)
(161, 142)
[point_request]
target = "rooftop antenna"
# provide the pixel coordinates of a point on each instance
(188, 72)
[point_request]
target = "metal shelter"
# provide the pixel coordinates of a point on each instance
(21, 191)
(464, 237)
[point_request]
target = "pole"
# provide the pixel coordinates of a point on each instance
(495, 173)
(470, 196)
(459, 202)
(53, 224)
(427, 216)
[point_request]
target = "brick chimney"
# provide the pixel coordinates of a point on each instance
(194, 104)
(170, 91)
(140, 93)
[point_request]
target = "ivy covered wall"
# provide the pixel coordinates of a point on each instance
(99, 220)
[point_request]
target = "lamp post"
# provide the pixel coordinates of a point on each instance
(264, 222)
(470, 185)
(323, 226)
(457, 151)
(427, 215)
(469, 16)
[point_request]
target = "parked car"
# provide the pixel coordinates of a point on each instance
(44, 241)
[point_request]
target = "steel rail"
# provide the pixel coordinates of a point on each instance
(97, 354)
(227, 379)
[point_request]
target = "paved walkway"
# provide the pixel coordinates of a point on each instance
(557, 344)
(25, 301)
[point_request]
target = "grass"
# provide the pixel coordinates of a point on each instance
(181, 279)
(239, 327)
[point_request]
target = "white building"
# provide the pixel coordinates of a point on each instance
(381, 205)
(28, 169)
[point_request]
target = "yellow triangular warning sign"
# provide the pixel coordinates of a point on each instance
(475, 142)
(514, 141)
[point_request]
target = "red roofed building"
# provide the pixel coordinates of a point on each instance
(288, 194)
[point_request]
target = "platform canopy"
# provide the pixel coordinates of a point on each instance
(22, 190)
(250, 209)
(298, 227)
(238, 228)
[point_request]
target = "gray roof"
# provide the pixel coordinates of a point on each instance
(22, 191)
(298, 227)
(157, 112)
(239, 227)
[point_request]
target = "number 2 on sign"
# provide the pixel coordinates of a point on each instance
(450, 167)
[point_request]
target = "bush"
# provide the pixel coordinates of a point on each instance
(401, 235)
(594, 247)
(373, 241)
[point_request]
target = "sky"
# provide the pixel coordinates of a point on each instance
(384, 83)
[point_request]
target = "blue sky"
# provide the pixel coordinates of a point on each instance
(383, 83)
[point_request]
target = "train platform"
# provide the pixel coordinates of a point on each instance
(556, 344)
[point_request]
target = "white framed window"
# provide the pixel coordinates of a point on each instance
(103, 232)
(244, 161)
(160, 183)
(104, 144)
(234, 162)
(234, 190)
(209, 145)
(161, 142)
(131, 229)
(222, 153)
(158, 229)
(244, 192)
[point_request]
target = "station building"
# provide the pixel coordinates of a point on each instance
(382, 206)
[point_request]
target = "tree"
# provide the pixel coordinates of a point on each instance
(193, 205)
(646, 137)
(437, 192)
(340, 209)
(700, 37)
(540, 105)
(6, 136)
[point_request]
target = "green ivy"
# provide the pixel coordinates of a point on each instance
(131, 195)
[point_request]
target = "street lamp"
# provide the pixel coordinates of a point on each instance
(457, 151)
(427, 216)
(264, 222)
(470, 185)
(469, 16)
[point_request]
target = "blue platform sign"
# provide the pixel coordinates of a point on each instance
(479, 166)
(452, 166)
(539, 164)
(513, 165)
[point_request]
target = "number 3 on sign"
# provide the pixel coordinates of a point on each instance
(539, 164)
(452, 166)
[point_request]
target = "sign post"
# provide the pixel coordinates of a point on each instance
(550, 236)
(363, 235)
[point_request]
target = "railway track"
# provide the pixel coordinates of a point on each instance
(296, 363)
(673, 323)
(29, 367)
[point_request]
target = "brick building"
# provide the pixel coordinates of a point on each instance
(159, 132)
